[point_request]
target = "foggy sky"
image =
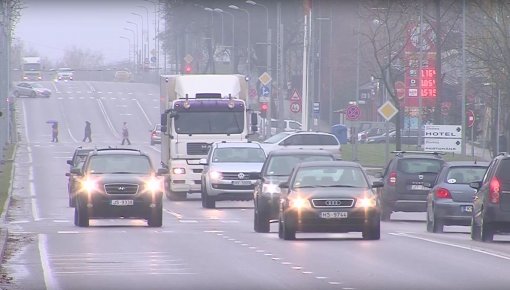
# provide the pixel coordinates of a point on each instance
(50, 27)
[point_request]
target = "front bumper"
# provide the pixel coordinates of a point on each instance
(99, 205)
(227, 190)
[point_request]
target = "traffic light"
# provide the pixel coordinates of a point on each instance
(188, 68)
(263, 109)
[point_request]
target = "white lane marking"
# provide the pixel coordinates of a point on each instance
(68, 232)
(143, 112)
(476, 250)
(25, 120)
(107, 119)
(188, 221)
(49, 280)
(179, 216)
(78, 92)
(33, 194)
(321, 277)
(213, 231)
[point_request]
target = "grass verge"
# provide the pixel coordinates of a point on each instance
(5, 175)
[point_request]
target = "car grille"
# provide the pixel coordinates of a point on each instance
(121, 188)
(198, 148)
(332, 202)
(234, 187)
(235, 175)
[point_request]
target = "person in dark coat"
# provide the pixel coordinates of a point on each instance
(125, 134)
(88, 132)
(54, 132)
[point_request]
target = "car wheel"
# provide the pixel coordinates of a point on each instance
(260, 219)
(16, 94)
(486, 231)
(81, 216)
(72, 200)
(33, 95)
(386, 213)
(430, 226)
(175, 196)
(288, 232)
(434, 224)
(207, 201)
(155, 220)
(372, 230)
(475, 230)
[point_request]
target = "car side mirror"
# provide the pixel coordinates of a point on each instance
(377, 184)
(475, 185)
(70, 162)
(162, 171)
(202, 161)
(76, 171)
(284, 185)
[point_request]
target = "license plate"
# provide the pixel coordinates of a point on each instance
(241, 182)
(466, 208)
(122, 202)
(334, 214)
(418, 187)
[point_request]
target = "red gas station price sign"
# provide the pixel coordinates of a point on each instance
(428, 82)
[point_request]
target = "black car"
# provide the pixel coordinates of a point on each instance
(276, 169)
(450, 200)
(491, 206)
(404, 179)
(118, 183)
(329, 196)
(76, 161)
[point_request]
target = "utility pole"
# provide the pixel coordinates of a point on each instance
(281, 78)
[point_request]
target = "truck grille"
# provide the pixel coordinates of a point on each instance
(235, 175)
(121, 188)
(198, 148)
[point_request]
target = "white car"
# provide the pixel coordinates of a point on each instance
(231, 171)
(288, 126)
(65, 74)
(304, 140)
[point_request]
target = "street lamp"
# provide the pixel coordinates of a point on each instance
(156, 29)
(141, 19)
(249, 35)
(147, 34)
(233, 23)
(135, 44)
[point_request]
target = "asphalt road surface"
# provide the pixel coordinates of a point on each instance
(198, 248)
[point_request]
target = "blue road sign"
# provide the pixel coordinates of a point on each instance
(316, 107)
(265, 91)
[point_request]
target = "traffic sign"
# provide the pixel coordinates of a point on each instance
(295, 96)
(443, 131)
(387, 110)
(316, 107)
(188, 58)
(265, 78)
(352, 112)
(470, 118)
(295, 107)
(441, 144)
(265, 91)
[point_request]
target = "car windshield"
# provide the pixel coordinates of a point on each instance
(281, 165)
(238, 155)
(419, 165)
(36, 85)
(330, 176)
(465, 174)
(209, 122)
(276, 138)
(105, 164)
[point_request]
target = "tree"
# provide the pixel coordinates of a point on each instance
(78, 58)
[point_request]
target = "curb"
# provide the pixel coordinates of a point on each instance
(4, 231)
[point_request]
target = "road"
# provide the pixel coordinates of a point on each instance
(198, 248)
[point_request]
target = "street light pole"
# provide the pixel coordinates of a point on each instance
(249, 35)
(143, 45)
(129, 48)
(135, 44)
(147, 34)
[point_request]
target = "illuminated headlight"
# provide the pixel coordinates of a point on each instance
(153, 185)
(39, 78)
(231, 104)
(366, 202)
(215, 175)
(299, 203)
(270, 188)
(178, 170)
(89, 185)
(187, 104)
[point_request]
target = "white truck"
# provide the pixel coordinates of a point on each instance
(197, 110)
(32, 68)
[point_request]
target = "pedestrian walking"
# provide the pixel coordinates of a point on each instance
(125, 134)
(54, 132)
(88, 132)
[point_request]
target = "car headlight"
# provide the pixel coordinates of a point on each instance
(178, 170)
(89, 185)
(299, 203)
(271, 188)
(215, 175)
(153, 185)
(366, 202)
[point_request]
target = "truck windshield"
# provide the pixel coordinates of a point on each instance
(31, 66)
(209, 122)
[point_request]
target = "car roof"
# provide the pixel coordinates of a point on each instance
(280, 152)
(83, 150)
(467, 163)
(418, 154)
(250, 144)
(117, 151)
(335, 163)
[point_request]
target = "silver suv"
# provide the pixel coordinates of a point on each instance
(304, 140)
(231, 170)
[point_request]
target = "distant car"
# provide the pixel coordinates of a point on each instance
(123, 76)
(76, 161)
(32, 90)
(381, 138)
(288, 126)
(156, 134)
(450, 200)
(118, 183)
(404, 181)
(304, 140)
(65, 74)
(329, 196)
(491, 206)
(276, 169)
(231, 170)
(364, 135)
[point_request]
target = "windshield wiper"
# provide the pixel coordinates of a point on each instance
(336, 185)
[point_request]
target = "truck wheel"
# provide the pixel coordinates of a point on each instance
(207, 201)
(155, 219)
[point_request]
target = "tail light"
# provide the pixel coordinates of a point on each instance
(392, 180)
(494, 190)
(443, 193)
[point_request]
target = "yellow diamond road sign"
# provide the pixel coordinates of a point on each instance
(188, 58)
(265, 78)
(387, 110)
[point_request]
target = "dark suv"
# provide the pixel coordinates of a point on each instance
(277, 169)
(491, 206)
(118, 183)
(404, 179)
(77, 161)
